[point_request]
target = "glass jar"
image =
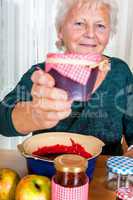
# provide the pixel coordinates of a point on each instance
(130, 179)
(119, 172)
(70, 180)
(124, 193)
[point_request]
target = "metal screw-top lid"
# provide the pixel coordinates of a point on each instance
(70, 163)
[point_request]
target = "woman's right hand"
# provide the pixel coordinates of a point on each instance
(49, 104)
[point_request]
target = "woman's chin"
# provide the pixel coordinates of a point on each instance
(84, 50)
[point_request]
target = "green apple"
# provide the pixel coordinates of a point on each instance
(8, 181)
(33, 187)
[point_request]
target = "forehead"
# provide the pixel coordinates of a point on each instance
(85, 8)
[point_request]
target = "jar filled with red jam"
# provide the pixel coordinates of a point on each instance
(70, 180)
(124, 193)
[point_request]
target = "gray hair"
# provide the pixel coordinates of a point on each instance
(63, 7)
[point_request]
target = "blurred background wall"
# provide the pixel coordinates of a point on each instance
(27, 33)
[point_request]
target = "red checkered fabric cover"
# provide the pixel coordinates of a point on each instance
(65, 193)
(125, 193)
(74, 66)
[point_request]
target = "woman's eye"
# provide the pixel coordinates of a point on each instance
(101, 26)
(79, 23)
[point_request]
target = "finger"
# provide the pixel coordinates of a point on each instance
(50, 124)
(51, 105)
(51, 93)
(52, 116)
(38, 117)
(42, 78)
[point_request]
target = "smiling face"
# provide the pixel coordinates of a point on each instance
(86, 28)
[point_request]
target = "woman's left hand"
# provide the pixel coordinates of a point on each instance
(129, 153)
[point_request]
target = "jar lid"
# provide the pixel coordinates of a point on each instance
(70, 163)
(125, 193)
(120, 165)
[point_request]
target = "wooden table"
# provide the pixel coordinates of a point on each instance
(97, 191)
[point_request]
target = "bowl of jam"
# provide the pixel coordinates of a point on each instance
(41, 150)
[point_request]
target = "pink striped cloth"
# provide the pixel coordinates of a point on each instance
(66, 193)
(77, 67)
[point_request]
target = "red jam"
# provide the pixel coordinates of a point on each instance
(53, 151)
(68, 179)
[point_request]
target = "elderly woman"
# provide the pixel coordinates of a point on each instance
(36, 105)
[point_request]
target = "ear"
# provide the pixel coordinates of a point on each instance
(60, 34)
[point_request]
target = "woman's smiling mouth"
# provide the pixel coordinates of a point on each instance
(88, 45)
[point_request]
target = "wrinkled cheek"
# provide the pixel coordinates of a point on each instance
(71, 42)
(106, 39)
(103, 41)
(102, 38)
(72, 47)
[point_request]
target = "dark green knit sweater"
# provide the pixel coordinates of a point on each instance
(107, 115)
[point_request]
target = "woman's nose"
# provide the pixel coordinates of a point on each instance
(89, 32)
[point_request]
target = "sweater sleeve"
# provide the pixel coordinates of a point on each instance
(128, 115)
(22, 92)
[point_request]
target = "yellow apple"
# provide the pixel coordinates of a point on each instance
(33, 187)
(8, 181)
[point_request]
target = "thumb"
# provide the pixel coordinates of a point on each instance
(42, 78)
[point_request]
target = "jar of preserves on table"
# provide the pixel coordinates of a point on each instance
(119, 172)
(70, 180)
(124, 193)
